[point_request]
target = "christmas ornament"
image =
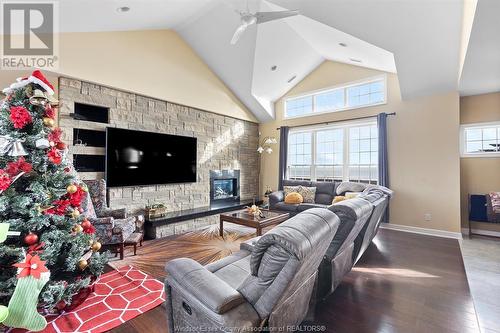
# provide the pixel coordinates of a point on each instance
(86, 224)
(5, 180)
(31, 239)
(17, 167)
(20, 116)
(4, 312)
(38, 98)
(77, 228)
(11, 147)
(54, 156)
(42, 143)
(49, 122)
(32, 277)
(75, 213)
(82, 264)
(96, 246)
(71, 189)
(61, 145)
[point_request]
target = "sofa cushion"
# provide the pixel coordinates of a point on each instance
(350, 187)
(290, 182)
(286, 207)
(294, 198)
(325, 191)
(308, 193)
(306, 206)
(290, 189)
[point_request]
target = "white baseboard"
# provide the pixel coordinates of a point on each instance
(422, 231)
(465, 231)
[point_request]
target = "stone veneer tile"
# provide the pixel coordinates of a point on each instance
(223, 143)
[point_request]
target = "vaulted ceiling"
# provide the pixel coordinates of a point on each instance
(418, 39)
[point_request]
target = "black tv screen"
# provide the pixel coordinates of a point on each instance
(145, 158)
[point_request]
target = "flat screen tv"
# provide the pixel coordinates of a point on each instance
(144, 158)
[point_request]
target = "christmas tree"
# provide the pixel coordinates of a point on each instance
(41, 198)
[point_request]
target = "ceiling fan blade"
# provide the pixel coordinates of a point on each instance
(237, 34)
(271, 16)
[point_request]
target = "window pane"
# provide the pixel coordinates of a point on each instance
(299, 106)
(354, 158)
(364, 145)
(377, 87)
(473, 134)
(377, 97)
(331, 100)
(489, 145)
(489, 134)
(364, 158)
(353, 100)
(364, 132)
(364, 89)
(474, 146)
(364, 99)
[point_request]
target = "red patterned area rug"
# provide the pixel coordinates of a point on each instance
(118, 296)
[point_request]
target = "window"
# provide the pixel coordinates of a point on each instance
(342, 152)
(480, 140)
(345, 97)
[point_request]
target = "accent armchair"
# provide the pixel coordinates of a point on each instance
(114, 228)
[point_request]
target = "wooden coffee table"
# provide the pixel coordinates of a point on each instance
(242, 217)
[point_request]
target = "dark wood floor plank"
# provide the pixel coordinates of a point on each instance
(403, 283)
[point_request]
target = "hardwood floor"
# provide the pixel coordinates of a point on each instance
(403, 283)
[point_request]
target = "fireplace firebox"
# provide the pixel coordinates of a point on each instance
(224, 186)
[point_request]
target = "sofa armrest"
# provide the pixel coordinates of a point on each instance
(203, 285)
(249, 244)
(276, 197)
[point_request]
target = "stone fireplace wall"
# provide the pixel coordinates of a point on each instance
(223, 143)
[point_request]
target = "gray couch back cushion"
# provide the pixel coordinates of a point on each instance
(353, 214)
(285, 256)
(325, 191)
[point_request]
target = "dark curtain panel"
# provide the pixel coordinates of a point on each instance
(283, 155)
(383, 163)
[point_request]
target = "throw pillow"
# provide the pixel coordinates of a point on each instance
(350, 187)
(338, 198)
(308, 193)
(293, 198)
(289, 189)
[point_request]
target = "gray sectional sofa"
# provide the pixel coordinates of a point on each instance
(268, 283)
(275, 279)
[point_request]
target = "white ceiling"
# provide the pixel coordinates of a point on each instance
(418, 37)
(481, 71)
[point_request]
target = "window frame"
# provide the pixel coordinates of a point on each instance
(463, 143)
(313, 129)
(345, 87)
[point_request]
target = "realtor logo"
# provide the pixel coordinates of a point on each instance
(29, 35)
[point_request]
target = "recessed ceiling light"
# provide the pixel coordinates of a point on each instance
(355, 60)
(292, 78)
(273, 68)
(122, 9)
(343, 44)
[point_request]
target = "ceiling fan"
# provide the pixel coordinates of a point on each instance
(247, 19)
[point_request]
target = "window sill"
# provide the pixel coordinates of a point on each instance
(481, 155)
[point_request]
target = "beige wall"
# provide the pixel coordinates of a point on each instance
(155, 63)
(423, 146)
(479, 175)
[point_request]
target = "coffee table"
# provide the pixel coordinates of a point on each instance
(242, 217)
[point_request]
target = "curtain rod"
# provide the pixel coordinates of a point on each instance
(339, 121)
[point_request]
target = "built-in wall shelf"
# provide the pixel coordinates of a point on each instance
(89, 163)
(88, 137)
(94, 113)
